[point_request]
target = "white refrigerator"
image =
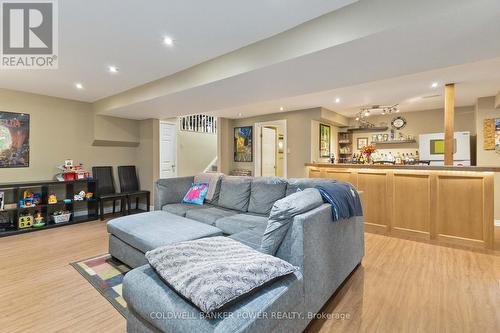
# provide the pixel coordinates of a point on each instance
(431, 148)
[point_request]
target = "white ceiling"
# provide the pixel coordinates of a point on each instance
(379, 68)
(94, 34)
(411, 92)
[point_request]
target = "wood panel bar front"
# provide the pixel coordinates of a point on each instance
(444, 206)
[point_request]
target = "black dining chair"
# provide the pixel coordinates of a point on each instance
(106, 189)
(129, 184)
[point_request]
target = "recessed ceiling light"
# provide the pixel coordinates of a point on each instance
(434, 85)
(239, 114)
(337, 100)
(282, 108)
(168, 41)
(79, 86)
(113, 69)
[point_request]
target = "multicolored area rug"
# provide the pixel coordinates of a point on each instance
(106, 275)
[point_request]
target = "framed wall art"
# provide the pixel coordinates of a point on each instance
(14, 140)
(362, 142)
(243, 144)
(497, 135)
(324, 140)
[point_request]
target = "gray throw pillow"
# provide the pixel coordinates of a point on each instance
(235, 192)
(265, 191)
(213, 271)
(282, 215)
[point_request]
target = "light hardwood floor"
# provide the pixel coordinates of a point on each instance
(401, 286)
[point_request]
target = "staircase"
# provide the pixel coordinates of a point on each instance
(212, 166)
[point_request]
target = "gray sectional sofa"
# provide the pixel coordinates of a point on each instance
(326, 252)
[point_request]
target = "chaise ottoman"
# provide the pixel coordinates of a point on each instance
(133, 235)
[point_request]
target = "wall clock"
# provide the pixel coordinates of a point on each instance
(398, 123)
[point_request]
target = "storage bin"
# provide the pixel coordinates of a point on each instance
(61, 218)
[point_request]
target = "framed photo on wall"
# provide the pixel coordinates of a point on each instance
(324, 140)
(14, 140)
(243, 144)
(362, 142)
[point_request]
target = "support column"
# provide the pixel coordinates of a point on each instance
(449, 123)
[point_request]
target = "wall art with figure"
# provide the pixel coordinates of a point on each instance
(243, 144)
(14, 140)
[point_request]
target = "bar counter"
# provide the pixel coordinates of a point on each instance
(436, 203)
(405, 167)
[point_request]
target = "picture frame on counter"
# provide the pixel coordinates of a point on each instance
(361, 142)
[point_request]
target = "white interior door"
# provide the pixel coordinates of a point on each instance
(168, 150)
(268, 151)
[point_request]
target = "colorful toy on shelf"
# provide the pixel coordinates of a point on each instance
(89, 196)
(25, 221)
(27, 200)
(27, 195)
(39, 220)
(80, 196)
(52, 199)
(37, 198)
(38, 217)
(26, 203)
(30, 199)
(71, 171)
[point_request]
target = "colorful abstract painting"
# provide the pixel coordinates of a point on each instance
(497, 135)
(243, 144)
(324, 140)
(14, 140)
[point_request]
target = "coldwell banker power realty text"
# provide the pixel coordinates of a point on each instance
(29, 34)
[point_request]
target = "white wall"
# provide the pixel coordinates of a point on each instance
(61, 129)
(195, 151)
